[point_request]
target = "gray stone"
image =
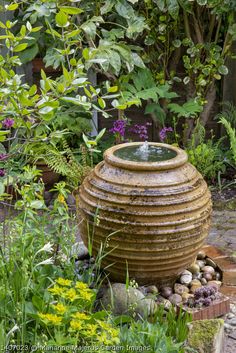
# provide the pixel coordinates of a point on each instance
(152, 289)
(186, 278)
(208, 269)
(175, 299)
(232, 321)
(180, 289)
(210, 262)
(201, 255)
(80, 251)
(200, 263)
(166, 292)
(131, 301)
(194, 268)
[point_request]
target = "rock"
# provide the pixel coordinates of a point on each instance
(230, 316)
(166, 292)
(80, 250)
(175, 299)
(152, 289)
(129, 301)
(215, 283)
(197, 275)
(217, 276)
(186, 296)
(186, 278)
(227, 327)
(201, 263)
(180, 289)
(203, 281)
(206, 336)
(161, 300)
(195, 284)
(186, 272)
(194, 268)
(201, 255)
(208, 269)
(210, 262)
(70, 200)
(232, 321)
(208, 276)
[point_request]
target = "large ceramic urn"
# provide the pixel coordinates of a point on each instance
(148, 208)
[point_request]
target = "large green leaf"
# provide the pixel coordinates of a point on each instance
(124, 9)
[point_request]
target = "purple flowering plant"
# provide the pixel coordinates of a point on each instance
(163, 133)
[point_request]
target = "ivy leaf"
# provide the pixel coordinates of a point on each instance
(20, 47)
(135, 25)
(202, 2)
(125, 10)
(138, 61)
(173, 8)
(61, 19)
(114, 60)
(89, 28)
(107, 7)
(71, 10)
(160, 4)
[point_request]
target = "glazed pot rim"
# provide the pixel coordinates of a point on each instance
(180, 159)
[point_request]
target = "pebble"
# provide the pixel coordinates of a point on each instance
(201, 263)
(228, 327)
(195, 287)
(180, 289)
(201, 255)
(194, 268)
(175, 299)
(152, 289)
(197, 275)
(208, 269)
(215, 283)
(186, 277)
(217, 276)
(232, 321)
(207, 276)
(166, 292)
(210, 262)
(230, 316)
(203, 281)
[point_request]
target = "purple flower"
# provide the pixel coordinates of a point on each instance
(8, 122)
(141, 130)
(2, 172)
(163, 132)
(118, 127)
(3, 156)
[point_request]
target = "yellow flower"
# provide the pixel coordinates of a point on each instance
(81, 316)
(60, 308)
(81, 285)
(64, 282)
(61, 199)
(86, 295)
(70, 294)
(51, 318)
(91, 330)
(76, 325)
(57, 290)
(103, 338)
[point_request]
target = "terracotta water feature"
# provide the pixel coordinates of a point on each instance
(153, 211)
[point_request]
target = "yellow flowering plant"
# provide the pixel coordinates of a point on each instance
(70, 319)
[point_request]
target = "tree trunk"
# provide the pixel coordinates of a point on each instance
(210, 97)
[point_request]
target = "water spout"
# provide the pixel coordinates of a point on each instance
(143, 151)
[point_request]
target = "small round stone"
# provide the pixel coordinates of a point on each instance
(180, 289)
(152, 289)
(195, 282)
(203, 281)
(175, 299)
(201, 263)
(197, 275)
(201, 255)
(215, 283)
(194, 268)
(186, 272)
(208, 269)
(195, 286)
(210, 262)
(207, 276)
(217, 276)
(186, 279)
(166, 292)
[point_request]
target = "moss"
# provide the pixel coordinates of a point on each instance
(202, 334)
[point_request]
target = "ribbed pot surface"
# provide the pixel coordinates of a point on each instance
(152, 217)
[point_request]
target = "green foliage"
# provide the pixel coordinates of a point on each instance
(207, 158)
(232, 136)
(229, 113)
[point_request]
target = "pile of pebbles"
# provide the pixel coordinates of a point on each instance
(203, 272)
